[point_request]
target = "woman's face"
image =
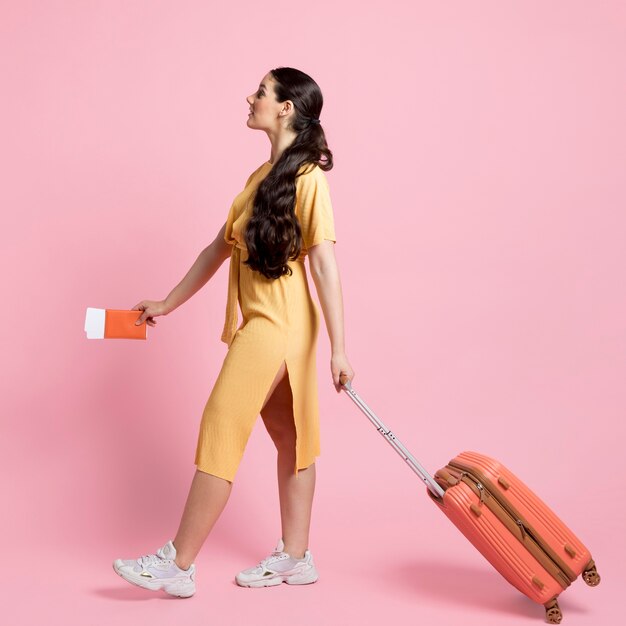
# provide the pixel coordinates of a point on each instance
(264, 108)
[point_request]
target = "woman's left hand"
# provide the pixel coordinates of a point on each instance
(339, 364)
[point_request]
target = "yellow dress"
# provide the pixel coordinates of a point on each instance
(280, 323)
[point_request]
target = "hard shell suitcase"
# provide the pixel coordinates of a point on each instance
(507, 522)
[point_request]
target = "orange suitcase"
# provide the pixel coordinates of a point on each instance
(507, 522)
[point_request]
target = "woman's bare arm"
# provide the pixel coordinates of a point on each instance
(325, 274)
(207, 263)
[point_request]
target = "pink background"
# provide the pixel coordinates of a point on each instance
(479, 198)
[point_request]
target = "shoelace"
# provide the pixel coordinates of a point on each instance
(270, 559)
(149, 559)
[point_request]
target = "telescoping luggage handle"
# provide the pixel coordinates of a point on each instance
(431, 483)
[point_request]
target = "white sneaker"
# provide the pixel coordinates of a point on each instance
(158, 571)
(277, 568)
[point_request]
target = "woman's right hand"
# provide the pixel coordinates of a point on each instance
(151, 309)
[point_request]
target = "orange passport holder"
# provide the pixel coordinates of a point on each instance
(114, 324)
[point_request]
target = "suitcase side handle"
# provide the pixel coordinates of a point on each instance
(412, 462)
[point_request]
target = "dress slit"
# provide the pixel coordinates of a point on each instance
(293, 414)
(293, 409)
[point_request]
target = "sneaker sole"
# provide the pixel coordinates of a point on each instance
(154, 585)
(294, 579)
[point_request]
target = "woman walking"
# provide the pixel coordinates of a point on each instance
(283, 214)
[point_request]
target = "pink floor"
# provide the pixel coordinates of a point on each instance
(384, 555)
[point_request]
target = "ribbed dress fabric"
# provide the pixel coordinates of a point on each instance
(280, 324)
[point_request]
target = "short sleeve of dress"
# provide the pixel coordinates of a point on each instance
(314, 208)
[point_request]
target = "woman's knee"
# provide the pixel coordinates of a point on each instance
(278, 416)
(281, 428)
(282, 434)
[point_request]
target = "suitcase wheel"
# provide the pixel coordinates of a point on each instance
(590, 575)
(553, 612)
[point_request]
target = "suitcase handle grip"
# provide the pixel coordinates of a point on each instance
(431, 483)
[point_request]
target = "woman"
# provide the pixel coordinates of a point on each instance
(283, 214)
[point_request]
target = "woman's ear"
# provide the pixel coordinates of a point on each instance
(287, 108)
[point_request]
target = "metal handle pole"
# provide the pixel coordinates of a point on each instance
(430, 482)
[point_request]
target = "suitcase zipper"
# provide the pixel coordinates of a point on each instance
(504, 511)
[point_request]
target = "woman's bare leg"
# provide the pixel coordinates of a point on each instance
(207, 498)
(296, 494)
(296, 501)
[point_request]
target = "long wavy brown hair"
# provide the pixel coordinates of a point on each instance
(272, 234)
